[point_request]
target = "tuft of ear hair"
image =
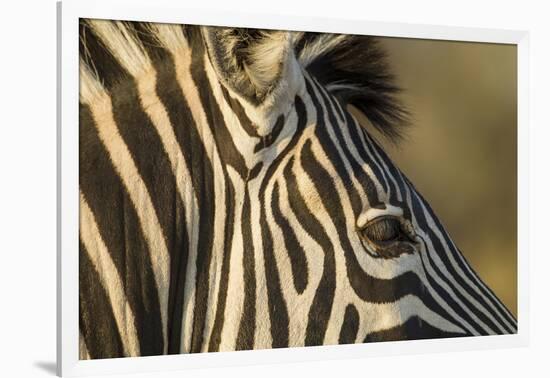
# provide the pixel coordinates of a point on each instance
(249, 61)
(354, 68)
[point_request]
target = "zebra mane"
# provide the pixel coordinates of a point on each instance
(351, 67)
(354, 69)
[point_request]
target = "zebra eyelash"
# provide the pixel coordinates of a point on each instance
(383, 229)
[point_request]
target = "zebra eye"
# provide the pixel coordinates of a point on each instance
(383, 229)
(386, 237)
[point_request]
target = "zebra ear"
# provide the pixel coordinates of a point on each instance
(251, 62)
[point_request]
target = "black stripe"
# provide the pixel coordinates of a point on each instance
(148, 154)
(391, 170)
(429, 300)
(202, 177)
(96, 318)
(296, 253)
(413, 329)
(368, 288)
(98, 58)
(330, 149)
(277, 307)
(179, 248)
(394, 171)
(354, 129)
(178, 271)
(459, 298)
(267, 140)
(278, 311)
(247, 326)
(229, 154)
(465, 269)
(355, 132)
(215, 338)
(358, 133)
(237, 108)
(319, 312)
(301, 115)
(154, 167)
(350, 326)
(338, 106)
(381, 290)
(394, 198)
(167, 90)
(120, 229)
(450, 298)
(255, 171)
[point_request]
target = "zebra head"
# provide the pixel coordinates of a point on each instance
(347, 241)
(256, 211)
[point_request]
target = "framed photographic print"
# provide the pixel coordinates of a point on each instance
(237, 188)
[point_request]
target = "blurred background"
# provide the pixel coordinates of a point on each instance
(460, 151)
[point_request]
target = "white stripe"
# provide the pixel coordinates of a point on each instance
(235, 282)
(367, 144)
(429, 271)
(122, 44)
(82, 349)
(298, 304)
(244, 143)
(171, 37)
(351, 147)
(457, 286)
(160, 119)
(109, 277)
(502, 311)
(375, 268)
(384, 266)
(426, 247)
(374, 146)
(405, 308)
(182, 60)
(102, 112)
(378, 268)
(344, 292)
(262, 334)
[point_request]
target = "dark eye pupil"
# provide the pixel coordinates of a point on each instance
(386, 229)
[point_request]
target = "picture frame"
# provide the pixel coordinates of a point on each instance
(69, 14)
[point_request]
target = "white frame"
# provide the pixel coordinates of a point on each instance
(68, 199)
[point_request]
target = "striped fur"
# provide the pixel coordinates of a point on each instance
(209, 222)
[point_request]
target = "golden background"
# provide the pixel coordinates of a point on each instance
(461, 149)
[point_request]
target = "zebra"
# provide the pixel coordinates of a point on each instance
(229, 199)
